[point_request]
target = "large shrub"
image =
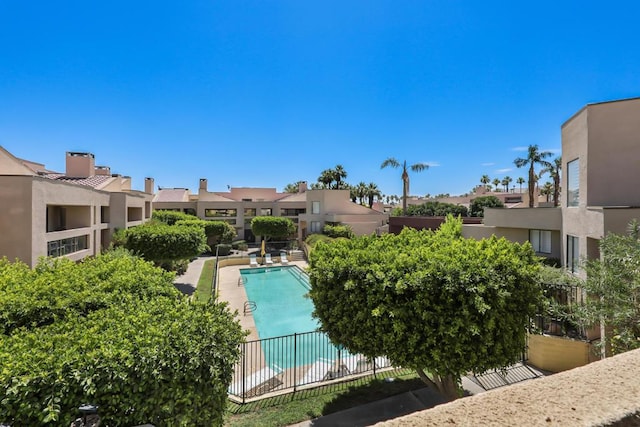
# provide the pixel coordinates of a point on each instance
(171, 217)
(118, 335)
(338, 230)
(431, 301)
(160, 242)
(272, 226)
(435, 208)
(216, 231)
(479, 203)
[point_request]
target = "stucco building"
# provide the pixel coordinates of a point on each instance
(310, 210)
(71, 214)
(600, 194)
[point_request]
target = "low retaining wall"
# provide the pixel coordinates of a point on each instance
(556, 354)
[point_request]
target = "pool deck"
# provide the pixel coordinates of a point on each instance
(236, 296)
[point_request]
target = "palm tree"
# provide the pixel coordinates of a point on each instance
(554, 169)
(338, 175)
(326, 178)
(496, 183)
(534, 156)
(520, 181)
(372, 192)
(546, 190)
(485, 180)
(506, 181)
(353, 195)
(361, 191)
(418, 167)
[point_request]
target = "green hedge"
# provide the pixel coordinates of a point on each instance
(126, 340)
(160, 242)
(59, 288)
(220, 230)
(338, 231)
(171, 217)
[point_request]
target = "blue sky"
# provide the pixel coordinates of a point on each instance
(266, 93)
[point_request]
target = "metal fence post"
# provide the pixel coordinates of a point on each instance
(295, 365)
(244, 361)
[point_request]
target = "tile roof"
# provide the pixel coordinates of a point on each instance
(94, 181)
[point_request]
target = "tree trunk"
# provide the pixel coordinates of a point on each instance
(446, 385)
(405, 191)
(532, 183)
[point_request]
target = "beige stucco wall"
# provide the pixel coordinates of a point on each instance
(528, 218)
(614, 153)
(15, 217)
(83, 200)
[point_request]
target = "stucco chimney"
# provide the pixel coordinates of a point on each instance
(80, 165)
(203, 184)
(148, 185)
(102, 170)
(302, 186)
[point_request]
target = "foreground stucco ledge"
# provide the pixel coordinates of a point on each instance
(592, 395)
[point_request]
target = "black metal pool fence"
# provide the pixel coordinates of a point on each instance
(295, 361)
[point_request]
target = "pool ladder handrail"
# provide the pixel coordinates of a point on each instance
(240, 281)
(250, 307)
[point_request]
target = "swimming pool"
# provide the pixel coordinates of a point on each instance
(284, 309)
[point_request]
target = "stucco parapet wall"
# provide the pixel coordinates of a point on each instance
(530, 218)
(596, 394)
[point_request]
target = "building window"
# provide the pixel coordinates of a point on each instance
(540, 240)
(573, 253)
(315, 227)
(573, 182)
(315, 208)
(209, 213)
(57, 248)
(265, 212)
(292, 212)
(249, 211)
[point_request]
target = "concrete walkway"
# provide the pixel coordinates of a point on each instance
(188, 282)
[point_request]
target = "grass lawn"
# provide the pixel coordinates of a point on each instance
(305, 405)
(203, 291)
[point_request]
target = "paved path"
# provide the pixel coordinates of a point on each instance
(188, 282)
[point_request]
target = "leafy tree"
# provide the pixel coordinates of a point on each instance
(272, 227)
(216, 231)
(479, 203)
(520, 181)
(159, 242)
(554, 169)
(534, 157)
(613, 287)
(434, 302)
(435, 208)
(417, 167)
(171, 217)
(112, 330)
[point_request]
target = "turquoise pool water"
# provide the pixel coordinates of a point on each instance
(283, 309)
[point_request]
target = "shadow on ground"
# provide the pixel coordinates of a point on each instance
(185, 288)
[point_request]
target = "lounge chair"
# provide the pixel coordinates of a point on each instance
(268, 260)
(321, 370)
(253, 262)
(257, 383)
(283, 258)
